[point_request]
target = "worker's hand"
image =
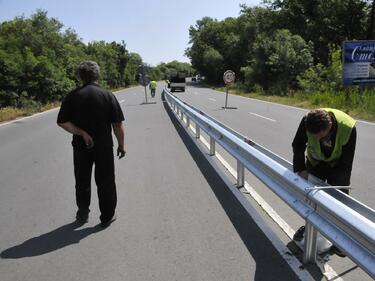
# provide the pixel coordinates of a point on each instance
(88, 140)
(120, 152)
(304, 174)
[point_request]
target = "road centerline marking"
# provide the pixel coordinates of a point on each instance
(261, 116)
(211, 99)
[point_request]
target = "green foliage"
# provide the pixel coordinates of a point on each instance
(164, 70)
(320, 78)
(281, 46)
(279, 59)
(38, 61)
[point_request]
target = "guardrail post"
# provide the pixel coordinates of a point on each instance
(187, 122)
(240, 174)
(311, 235)
(212, 146)
(197, 132)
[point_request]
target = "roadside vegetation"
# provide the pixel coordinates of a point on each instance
(39, 58)
(287, 51)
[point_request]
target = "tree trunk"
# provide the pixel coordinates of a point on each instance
(371, 26)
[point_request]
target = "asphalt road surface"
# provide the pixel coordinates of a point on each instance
(177, 220)
(274, 126)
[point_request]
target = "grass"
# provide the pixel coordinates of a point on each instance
(360, 105)
(11, 113)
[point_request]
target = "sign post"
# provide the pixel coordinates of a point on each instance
(229, 77)
(144, 80)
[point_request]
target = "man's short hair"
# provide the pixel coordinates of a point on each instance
(317, 120)
(89, 71)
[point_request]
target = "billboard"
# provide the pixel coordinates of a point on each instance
(359, 63)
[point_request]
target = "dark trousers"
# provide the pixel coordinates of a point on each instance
(331, 175)
(102, 157)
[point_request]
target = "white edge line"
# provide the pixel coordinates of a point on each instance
(294, 263)
(327, 270)
(269, 119)
(289, 106)
(44, 112)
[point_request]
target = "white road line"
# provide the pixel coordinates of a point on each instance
(269, 119)
(41, 113)
(211, 99)
(290, 106)
(28, 117)
(295, 264)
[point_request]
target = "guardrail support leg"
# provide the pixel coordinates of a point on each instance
(212, 146)
(240, 174)
(311, 235)
(187, 122)
(197, 132)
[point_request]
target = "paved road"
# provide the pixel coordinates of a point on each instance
(176, 218)
(274, 126)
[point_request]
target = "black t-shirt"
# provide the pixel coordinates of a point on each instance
(92, 109)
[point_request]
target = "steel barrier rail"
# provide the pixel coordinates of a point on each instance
(344, 198)
(351, 229)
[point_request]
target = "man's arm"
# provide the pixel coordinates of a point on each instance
(343, 169)
(73, 129)
(119, 131)
(299, 147)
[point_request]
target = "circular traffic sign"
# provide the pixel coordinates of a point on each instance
(229, 76)
(144, 80)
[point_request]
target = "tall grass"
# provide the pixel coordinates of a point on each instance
(359, 103)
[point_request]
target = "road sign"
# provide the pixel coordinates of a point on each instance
(229, 76)
(359, 63)
(144, 80)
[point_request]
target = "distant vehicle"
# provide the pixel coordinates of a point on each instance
(178, 81)
(193, 79)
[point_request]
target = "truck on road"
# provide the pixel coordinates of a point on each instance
(178, 81)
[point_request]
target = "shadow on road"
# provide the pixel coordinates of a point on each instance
(269, 263)
(56, 239)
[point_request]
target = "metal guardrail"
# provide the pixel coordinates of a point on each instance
(346, 222)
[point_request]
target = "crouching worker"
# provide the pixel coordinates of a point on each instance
(328, 138)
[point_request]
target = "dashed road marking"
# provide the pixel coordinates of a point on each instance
(269, 119)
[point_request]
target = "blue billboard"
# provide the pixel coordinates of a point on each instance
(359, 63)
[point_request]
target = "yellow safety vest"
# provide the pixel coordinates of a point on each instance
(345, 125)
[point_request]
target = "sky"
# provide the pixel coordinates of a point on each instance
(158, 30)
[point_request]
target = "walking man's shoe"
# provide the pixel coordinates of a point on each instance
(82, 216)
(106, 223)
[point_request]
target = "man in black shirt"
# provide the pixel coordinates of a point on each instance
(89, 113)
